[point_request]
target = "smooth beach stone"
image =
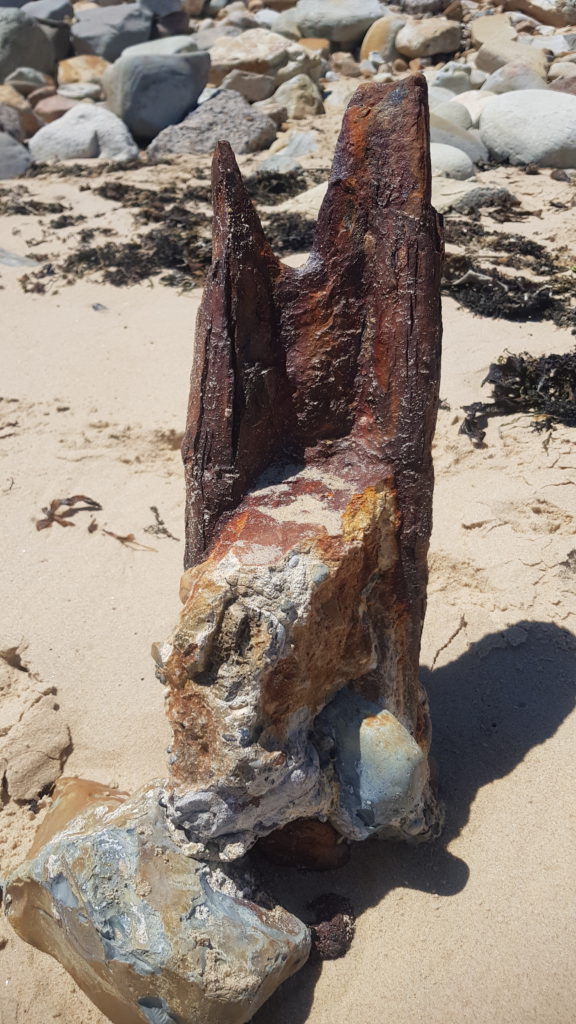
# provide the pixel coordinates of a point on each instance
(532, 126)
(450, 135)
(381, 36)
(49, 10)
(252, 87)
(452, 162)
(85, 68)
(512, 76)
(163, 47)
(455, 113)
(14, 157)
(340, 21)
(300, 96)
(151, 935)
(428, 37)
(26, 80)
(149, 93)
(87, 131)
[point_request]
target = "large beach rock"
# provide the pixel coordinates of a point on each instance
(85, 132)
(428, 37)
(262, 52)
(107, 31)
(149, 93)
(340, 21)
(300, 96)
(227, 116)
(10, 122)
(14, 157)
(531, 127)
(22, 43)
(150, 934)
(455, 113)
(474, 102)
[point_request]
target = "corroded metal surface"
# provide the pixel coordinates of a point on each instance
(309, 489)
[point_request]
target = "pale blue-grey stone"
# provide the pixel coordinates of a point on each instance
(152, 935)
(14, 157)
(151, 92)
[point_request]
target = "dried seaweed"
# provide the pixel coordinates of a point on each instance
(289, 232)
(129, 541)
(60, 510)
(159, 528)
(18, 203)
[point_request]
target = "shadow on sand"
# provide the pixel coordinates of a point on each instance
(508, 693)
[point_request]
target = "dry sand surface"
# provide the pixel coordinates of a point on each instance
(478, 927)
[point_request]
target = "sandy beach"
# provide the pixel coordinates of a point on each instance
(477, 927)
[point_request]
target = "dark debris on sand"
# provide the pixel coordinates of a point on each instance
(333, 926)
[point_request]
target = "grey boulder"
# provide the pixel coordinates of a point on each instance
(149, 93)
(451, 162)
(84, 132)
(532, 126)
(49, 10)
(513, 76)
(163, 47)
(151, 935)
(226, 116)
(10, 122)
(341, 21)
(22, 43)
(107, 31)
(14, 157)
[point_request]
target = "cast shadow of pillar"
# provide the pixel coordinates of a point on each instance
(507, 694)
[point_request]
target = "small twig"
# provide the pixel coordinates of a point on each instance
(159, 528)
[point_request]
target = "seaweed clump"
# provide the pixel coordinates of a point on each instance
(543, 385)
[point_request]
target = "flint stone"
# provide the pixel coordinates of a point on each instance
(340, 21)
(49, 10)
(14, 161)
(300, 96)
(163, 47)
(151, 935)
(107, 31)
(22, 44)
(149, 93)
(252, 87)
(226, 116)
(86, 68)
(428, 37)
(85, 132)
(513, 76)
(531, 127)
(450, 135)
(450, 161)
